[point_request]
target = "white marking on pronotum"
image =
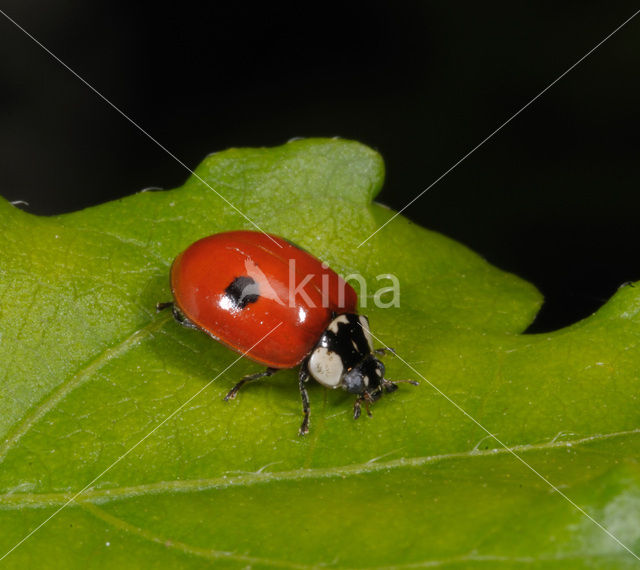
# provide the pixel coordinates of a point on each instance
(326, 367)
(364, 323)
(333, 327)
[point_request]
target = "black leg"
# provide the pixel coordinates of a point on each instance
(302, 379)
(389, 387)
(383, 351)
(402, 382)
(368, 399)
(232, 393)
(392, 385)
(178, 315)
(357, 407)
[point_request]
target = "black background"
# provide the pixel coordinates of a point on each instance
(552, 197)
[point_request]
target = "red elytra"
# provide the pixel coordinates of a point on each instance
(202, 275)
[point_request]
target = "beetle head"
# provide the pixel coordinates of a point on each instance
(365, 378)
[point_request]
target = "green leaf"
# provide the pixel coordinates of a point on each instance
(88, 369)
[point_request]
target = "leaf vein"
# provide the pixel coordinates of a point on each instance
(184, 547)
(78, 379)
(12, 501)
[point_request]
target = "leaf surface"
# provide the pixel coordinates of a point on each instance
(88, 369)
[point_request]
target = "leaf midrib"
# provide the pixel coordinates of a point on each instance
(13, 501)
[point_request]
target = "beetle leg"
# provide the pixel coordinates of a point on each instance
(356, 407)
(383, 351)
(178, 315)
(232, 393)
(303, 376)
(392, 385)
(389, 386)
(368, 400)
(181, 318)
(394, 382)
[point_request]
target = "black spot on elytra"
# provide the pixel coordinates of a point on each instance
(242, 291)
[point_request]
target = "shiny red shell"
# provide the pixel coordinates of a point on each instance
(202, 273)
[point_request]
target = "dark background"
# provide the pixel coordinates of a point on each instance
(552, 197)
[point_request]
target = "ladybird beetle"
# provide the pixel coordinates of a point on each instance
(266, 298)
